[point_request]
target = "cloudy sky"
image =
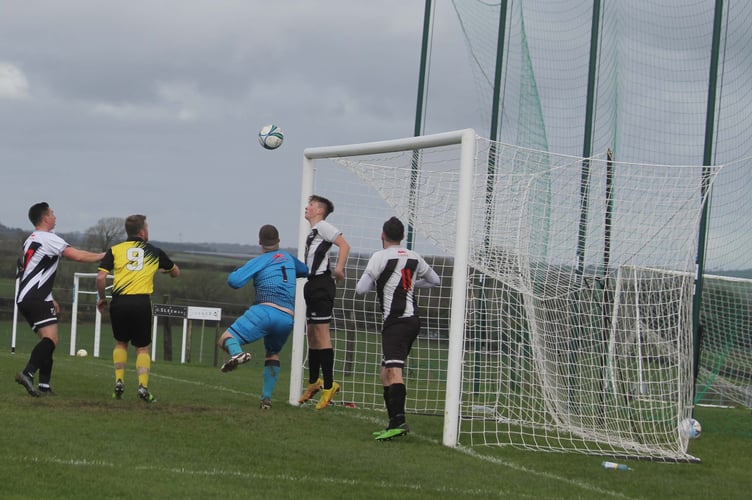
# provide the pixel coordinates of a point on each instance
(111, 108)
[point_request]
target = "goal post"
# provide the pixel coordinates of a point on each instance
(186, 314)
(78, 292)
(725, 370)
(14, 328)
(466, 140)
(546, 332)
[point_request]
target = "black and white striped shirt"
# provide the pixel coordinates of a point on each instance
(396, 272)
(318, 244)
(42, 251)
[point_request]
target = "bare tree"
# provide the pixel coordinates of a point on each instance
(105, 233)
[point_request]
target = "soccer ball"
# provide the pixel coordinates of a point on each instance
(271, 136)
(81, 353)
(690, 428)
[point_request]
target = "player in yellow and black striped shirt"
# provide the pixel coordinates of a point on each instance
(133, 264)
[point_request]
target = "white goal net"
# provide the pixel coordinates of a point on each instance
(563, 321)
(725, 368)
(725, 371)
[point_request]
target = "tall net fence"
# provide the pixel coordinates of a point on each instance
(652, 76)
(664, 94)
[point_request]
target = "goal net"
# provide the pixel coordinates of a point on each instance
(725, 371)
(563, 321)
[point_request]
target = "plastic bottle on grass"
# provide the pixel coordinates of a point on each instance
(615, 466)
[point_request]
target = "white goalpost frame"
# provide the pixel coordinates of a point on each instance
(74, 314)
(738, 392)
(191, 313)
(98, 321)
(15, 319)
(466, 139)
(183, 341)
(638, 340)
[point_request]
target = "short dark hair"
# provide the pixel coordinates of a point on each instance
(328, 205)
(393, 229)
(268, 236)
(134, 224)
(38, 211)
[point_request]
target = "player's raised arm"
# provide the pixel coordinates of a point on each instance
(78, 255)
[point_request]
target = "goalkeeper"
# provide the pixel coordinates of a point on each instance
(271, 316)
(396, 272)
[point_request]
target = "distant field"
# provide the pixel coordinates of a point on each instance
(210, 259)
(7, 287)
(207, 438)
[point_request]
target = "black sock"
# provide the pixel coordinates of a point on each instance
(40, 356)
(45, 372)
(327, 367)
(314, 365)
(397, 396)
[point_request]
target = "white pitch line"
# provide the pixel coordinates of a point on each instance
(510, 465)
(304, 479)
(203, 384)
(521, 468)
(461, 449)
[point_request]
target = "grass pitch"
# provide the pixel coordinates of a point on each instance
(207, 438)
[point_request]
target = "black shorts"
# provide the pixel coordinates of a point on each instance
(39, 313)
(319, 292)
(397, 339)
(131, 317)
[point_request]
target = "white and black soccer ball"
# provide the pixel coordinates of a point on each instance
(271, 136)
(690, 428)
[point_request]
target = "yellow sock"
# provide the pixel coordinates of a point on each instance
(120, 358)
(143, 366)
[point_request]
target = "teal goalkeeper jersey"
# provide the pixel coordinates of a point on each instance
(273, 274)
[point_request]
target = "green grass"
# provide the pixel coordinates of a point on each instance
(7, 287)
(207, 438)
